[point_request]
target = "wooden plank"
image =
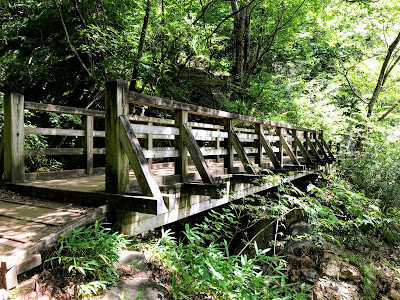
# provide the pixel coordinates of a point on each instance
(141, 99)
(117, 165)
(241, 152)
(88, 124)
(194, 188)
(55, 151)
(54, 131)
(140, 128)
(29, 212)
(197, 157)
(198, 133)
(160, 153)
(138, 162)
(289, 151)
(13, 137)
(270, 152)
(97, 133)
(303, 150)
(63, 109)
(136, 118)
(181, 163)
(99, 150)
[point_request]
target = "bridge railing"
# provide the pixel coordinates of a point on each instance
(180, 137)
(262, 139)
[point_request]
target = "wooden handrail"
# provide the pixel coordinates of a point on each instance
(153, 101)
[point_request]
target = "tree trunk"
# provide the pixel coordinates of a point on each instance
(385, 70)
(135, 71)
(239, 29)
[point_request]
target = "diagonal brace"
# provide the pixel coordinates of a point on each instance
(197, 156)
(288, 150)
(244, 158)
(139, 164)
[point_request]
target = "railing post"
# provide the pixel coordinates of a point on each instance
(259, 154)
(117, 166)
(88, 124)
(13, 137)
(305, 135)
(228, 159)
(181, 162)
(294, 143)
(279, 145)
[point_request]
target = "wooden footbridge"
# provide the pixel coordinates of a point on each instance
(153, 170)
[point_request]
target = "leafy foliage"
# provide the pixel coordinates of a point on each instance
(91, 253)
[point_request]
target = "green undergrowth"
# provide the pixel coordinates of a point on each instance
(219, 258)
(90, 254)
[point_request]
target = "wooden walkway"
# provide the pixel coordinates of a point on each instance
(30, 227)
(150, 170)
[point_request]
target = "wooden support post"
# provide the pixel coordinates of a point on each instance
(181, 162)
(279, 145)
(217, 146)
(268, 149)
(289, 151)
(258, 145)
(241, 152)
(13, 137)
(117, 166)
(294, 143)
(198, 158)
(305, 135)
(228, 159)
(149, 145)
(88, 123)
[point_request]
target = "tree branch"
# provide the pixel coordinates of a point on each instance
(389, 110)
(68, 39)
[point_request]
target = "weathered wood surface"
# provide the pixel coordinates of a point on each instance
(63, 109)
(30, 226)
(141, 99)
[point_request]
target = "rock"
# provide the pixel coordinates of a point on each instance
(335, 267)
(330, 290)
(135, 260)
(300, 262)
(132, 288)
(309, 276)
(394, 294)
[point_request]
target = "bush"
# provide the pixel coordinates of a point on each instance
(91, 253)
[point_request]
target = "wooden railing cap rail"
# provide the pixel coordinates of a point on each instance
(141, 99)
(64, 109)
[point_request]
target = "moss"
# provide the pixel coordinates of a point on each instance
(392, 237)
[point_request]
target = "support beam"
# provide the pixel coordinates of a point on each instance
(13, 137)
(321, 148)
(241, 152)
(88, 123)
(197, 157)
(325, 145)
(181, 162)
(268, 149)
(117, 165)
(145, 178)
(302, 149)
(312, 148)
(289, 151)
